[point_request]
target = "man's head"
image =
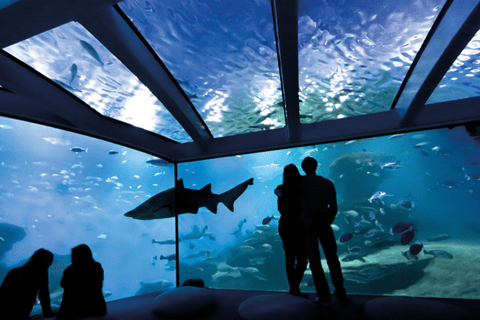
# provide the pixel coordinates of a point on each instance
(309, 165)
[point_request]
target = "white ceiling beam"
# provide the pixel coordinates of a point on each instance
(118, 35)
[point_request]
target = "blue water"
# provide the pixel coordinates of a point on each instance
(61, 198)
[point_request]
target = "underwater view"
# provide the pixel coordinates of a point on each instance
(407, 221)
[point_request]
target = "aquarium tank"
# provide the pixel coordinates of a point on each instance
(408, 203)
(60, 189)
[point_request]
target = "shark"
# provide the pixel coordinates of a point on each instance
(161, 205)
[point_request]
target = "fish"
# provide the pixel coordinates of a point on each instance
(195, 234)
(449, 183)
(353, 277)
(164, 241)
(112, 152)
(425, 152)
(439, 237)
(73, 71)
(439, 253)
(267, 220)
(355, 249)
(407, 204)
(203, 253)
(474, 162)
(353, 256)
(372, 271)
(415, 249)
(240, 226)
(401, 227)
(78, 149)
(346, 236)
(391, 165)
(375, 233)
(171, 257)
(396, 136)
(407, 236)
(161, 205)
(378, 196)
(409, 256)
(420, 144)
(158, 162)
(91, 51)
(360, 226)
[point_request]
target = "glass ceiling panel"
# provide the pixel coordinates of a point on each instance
(74, 59)
(462, 80)
(354, 55)
(223, 55)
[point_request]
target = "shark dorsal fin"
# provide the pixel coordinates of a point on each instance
(207, 188)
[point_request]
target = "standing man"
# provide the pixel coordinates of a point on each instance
(319, 207)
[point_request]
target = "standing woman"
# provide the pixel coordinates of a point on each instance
(289, 227)
(82, 282)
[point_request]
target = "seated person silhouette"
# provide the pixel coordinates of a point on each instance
(319, 207)
(21, 285)
(82, 282)
(290, 229)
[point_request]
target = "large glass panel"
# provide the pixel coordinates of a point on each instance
(223, 55)
(431, 186)
(354, 55)
(74, 59)
(59, 189)
(462, 80)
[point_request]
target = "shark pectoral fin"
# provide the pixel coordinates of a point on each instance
(228, 198)
(212, 205)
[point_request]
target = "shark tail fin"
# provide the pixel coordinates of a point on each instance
(228, 198)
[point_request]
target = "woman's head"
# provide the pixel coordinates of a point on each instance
(82, 254)
(291, 175)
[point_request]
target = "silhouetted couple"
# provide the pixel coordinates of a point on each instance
(82, 282)
(308, 206)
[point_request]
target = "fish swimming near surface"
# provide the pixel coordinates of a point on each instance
(73, 71)
(78, 149)
(158, 162)
(87, 46)
(112, 152)
(161, 205)
(439, 237)
(439, 253)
